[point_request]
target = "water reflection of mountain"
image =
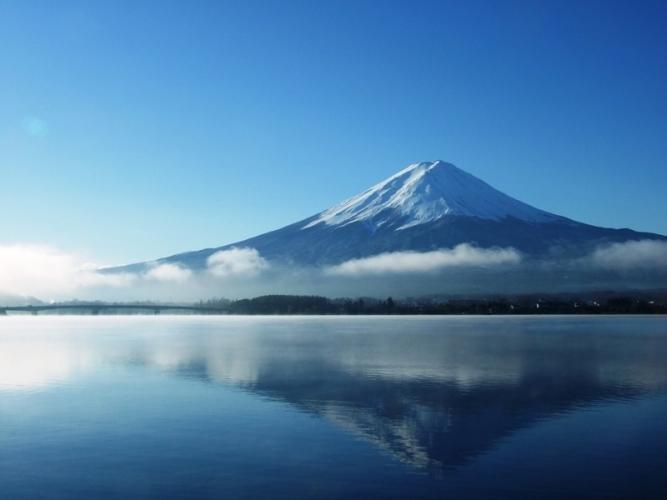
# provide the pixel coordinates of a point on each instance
(435, 394)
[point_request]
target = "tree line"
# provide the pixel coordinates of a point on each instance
(312, 304)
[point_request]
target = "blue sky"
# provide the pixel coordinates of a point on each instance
(133, 130)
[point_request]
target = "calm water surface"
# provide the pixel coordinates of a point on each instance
(222, 407)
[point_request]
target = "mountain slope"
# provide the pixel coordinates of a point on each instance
(423, 207)
(426, 192)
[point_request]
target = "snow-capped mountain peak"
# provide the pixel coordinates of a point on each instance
(424, 192)
(424, 207)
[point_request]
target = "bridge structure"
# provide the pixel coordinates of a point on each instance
(96, 309)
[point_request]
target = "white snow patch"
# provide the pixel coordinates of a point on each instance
(427, 191)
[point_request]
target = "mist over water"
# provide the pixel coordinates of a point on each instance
(48, 274)
(296, 407)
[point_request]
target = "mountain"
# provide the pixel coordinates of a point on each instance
(425, 206)
(12, 300)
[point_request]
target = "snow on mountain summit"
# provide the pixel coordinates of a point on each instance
(424, 192)
(425, 207)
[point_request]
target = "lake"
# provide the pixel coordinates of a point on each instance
(325, 407)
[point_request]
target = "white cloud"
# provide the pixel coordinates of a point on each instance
(422, 262)
(236, 262)
(168, 273)
(45, 271)
(646, 254)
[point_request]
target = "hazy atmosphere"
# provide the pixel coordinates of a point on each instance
(346, 249)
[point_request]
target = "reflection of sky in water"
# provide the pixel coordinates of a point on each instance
(438, 394)
(21, 368)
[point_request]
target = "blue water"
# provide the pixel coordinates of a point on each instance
(295, 407)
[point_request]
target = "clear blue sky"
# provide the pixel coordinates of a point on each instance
(132, 130)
